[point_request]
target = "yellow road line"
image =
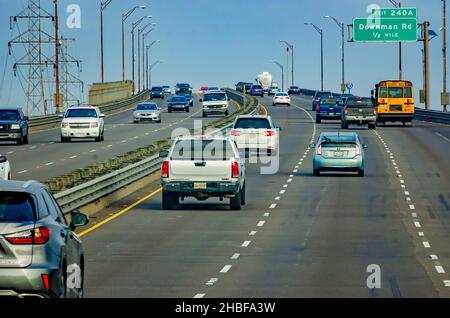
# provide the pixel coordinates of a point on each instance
(120, 213)
(265, 110)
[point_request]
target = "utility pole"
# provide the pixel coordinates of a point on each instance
(144, 71)
(426, 37)
(290, 47)
(133, 27)
(320, 31)
(287, 67)
(342, 27)
(103, 6)
(282, 74)
(140, 31)
(57, 94)
(445, 96)
(398, 4)
(125, 16)
(147, 66)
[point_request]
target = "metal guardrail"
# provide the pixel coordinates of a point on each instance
(53, 119)
(95, 189)
(433, 116)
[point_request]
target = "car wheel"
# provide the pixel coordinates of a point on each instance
(316, 172)
(20, 141)
(98, 139)
(243, 195)
(103, 136)
(204, 115)
(226, 113)
(235, 202)
(318, 120)
(169, 110)
(169, 201)
(63, 140)
(25, 139)
(158, 121)
(187, 109)
(361, 172)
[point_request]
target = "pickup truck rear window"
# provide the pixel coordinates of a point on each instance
(354, 104)
(16, 207)
(202, 150)
(252, 123)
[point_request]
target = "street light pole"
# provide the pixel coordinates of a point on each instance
(147, 66)
(282, 74)
(57, 93)
(291, 47)
(140, 31)
(444, 56)
(125, 16)
(341, 25)
(398, 5)
(143, 56)
(320, 31)
(103, 6)
(151, 68)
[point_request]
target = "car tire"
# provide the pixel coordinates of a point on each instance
(344, 126)
(235, 202)
(187, 109)
(360, 172)
(102, 136)
(64, 140)
(169, 110)
(158, 121)
(316, 172)
(25, 139)
(226, 113)
(204, 115)
(169, 201)
(318, 120)
(243, 195)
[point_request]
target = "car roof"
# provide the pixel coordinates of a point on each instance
(31, 186)
(252, 117)
(338, 134)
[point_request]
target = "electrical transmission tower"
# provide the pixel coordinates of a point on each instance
(35, 40)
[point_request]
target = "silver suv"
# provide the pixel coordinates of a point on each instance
(40, 254)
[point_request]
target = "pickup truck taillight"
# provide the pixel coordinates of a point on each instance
(269, 133)
(235, 133)
(316, 99)
(37, 236)
(346, 110)
(165, 169)
(234, 169)
(318, 108)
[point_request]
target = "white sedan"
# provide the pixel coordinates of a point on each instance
(5, 169)
(281, 99)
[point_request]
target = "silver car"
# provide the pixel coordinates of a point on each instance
(40, 254)
(336, 151)
(147, 112)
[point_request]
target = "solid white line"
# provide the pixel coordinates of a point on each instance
(199, 295)
(226, 268)
(261, 223)
(235, 256)
(253, 233)
(440, 269)
(417, 224)
(273, 206)
(246, 244)
(426, 244)
(443, 137)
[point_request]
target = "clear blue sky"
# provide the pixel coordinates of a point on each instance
(220, 42)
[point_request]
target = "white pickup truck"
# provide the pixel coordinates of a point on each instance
(5, 169)
(202, 167)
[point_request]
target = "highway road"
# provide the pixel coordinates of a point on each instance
(46, 157)
(298, 235)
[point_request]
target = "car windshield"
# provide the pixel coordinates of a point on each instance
(323, 94)
(213, 88)
(147, 107)
(252, 123)
(157, 89)
(256, 87)
(185, 91)
(178, 99)
(282, 94)
(203, 150)
(81, 113)
(16, 207)
(215, 97)
(294, 87)
(9, 114)
(332, 141)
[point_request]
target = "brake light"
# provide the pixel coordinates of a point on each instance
(316, 99)
(235, 133)
(37, 236)
(234, 169)
(319, 149)
(45, 281)
(375, 111)
(318, 108)
(358, 150)
(165, 169)
(346, 110)
(269, 133)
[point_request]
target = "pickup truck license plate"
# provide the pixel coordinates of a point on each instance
(338, 153)
(200, 185)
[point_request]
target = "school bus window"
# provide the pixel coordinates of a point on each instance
(408, 92)
(383, 92)
(395, 92)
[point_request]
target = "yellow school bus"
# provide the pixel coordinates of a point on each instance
(394, 101)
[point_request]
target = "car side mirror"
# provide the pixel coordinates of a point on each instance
(372, 92)
(3, 159)
(60, 116)
(279, 128)
(200, 100)
(78, 219)
(102, 116)
(164, 154)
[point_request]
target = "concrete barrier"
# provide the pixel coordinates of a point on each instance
(105, 93)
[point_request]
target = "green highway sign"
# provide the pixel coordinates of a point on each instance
(395, 13)
(385, 29)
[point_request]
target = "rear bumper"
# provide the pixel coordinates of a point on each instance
(327, 164)
(221, 110)
(325, 115)
(26, 282)
(395, 117)
(213, 189)
(360, 119)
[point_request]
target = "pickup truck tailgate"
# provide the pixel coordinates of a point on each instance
(198, 170)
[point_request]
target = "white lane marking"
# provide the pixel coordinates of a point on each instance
(426, 244)
(421, 234)
(414, 215)
(22, 172)
(296, 167)
(285, 186)
(226, 268)
(273, 206)
(261, 223)
(289, 180)
(212, 281)
(49, 163)
(73, 157)
(199, 295)
(235, 256)
(406, 192)
(267, 214)
(34, 147)
(109, 146)
(246, 244)
(295, 171)
(408, 199)
(440, 269)
(93, 150)
(434, 257)
(291, 176)
(402, 181)
(253, 233)
(442, 136)
(277, 198)
(10, 152)
(412, 207)
(417, 224)
(282, 191)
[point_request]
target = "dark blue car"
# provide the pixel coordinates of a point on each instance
(157, 92)
(178, 103)
(294, 90)
(256, 90)
(318, 96)
(328, 109)
(187, 93)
